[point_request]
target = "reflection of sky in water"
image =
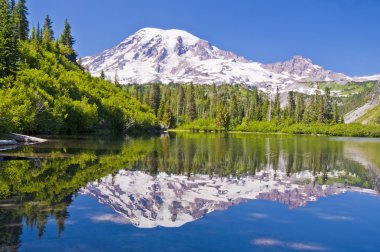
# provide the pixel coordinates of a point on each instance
(335, 223)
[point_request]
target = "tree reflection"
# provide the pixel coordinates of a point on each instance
(35, 190)
(34, 193)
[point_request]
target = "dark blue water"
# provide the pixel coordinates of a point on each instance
(346, 222)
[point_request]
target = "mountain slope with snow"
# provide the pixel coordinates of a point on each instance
(155, 55)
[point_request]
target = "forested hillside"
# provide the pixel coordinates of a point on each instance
(228, 106)
(244, 108)
(44, 90)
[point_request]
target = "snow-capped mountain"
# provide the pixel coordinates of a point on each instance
(155, 55)
(304, 70)
(165, 200)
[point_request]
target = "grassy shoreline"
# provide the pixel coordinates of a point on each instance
(348, 130)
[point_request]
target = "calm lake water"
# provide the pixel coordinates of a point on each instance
(192, 192)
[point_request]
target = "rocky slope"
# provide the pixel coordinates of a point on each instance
(369, 112)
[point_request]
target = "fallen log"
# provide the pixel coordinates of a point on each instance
(26, 139)
(7, 142)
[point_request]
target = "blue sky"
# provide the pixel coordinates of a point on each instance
(341, 35)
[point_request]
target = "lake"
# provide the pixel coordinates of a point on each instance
(191, 192)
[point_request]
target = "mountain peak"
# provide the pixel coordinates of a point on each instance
(304, 69)
(300, 58)
(173, 55)
(168, 34)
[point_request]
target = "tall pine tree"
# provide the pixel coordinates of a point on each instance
(66, 37)
(277, 106)
(39, 32)
(328, 109)
(20, 16)
(47, 33)
(33, 34)
(68, 41)
(154, 98)
(8, 41)
(191, 108)
(291, 105)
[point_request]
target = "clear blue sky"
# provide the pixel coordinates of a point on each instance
(341, 35)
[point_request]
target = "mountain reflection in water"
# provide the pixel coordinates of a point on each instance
(175, 179)
(172, 200)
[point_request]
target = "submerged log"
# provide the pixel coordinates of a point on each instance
(7, 142)
(26, 139)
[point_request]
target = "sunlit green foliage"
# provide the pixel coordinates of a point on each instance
(55, 96)
(44, 90)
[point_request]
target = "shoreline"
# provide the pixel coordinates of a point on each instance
(331, 133)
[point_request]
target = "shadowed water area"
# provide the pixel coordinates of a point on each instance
(191, 192)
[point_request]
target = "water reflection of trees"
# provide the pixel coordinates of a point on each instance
(33, 192)
(247, 154)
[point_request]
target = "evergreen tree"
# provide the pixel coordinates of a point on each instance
(321, 112)
(222, 116)
(259, 107)
(66, 37)
(310, 111)
(22, 24)
(328, 106)
(181, 102)
(115, 79)
(39, 33)
(277, 106)
(47, 34)
(335, 113)
(300, 107)
(162, 104)
(68, 41)
(154, 97)
(8, 41)
(291, 105)
(33, 34)
(167, 117)
(191, 109)
(253, 103)
(318, 106)
(213, 100)
(234, 108)
(265, 115)
(102, 75)
(342, 119)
